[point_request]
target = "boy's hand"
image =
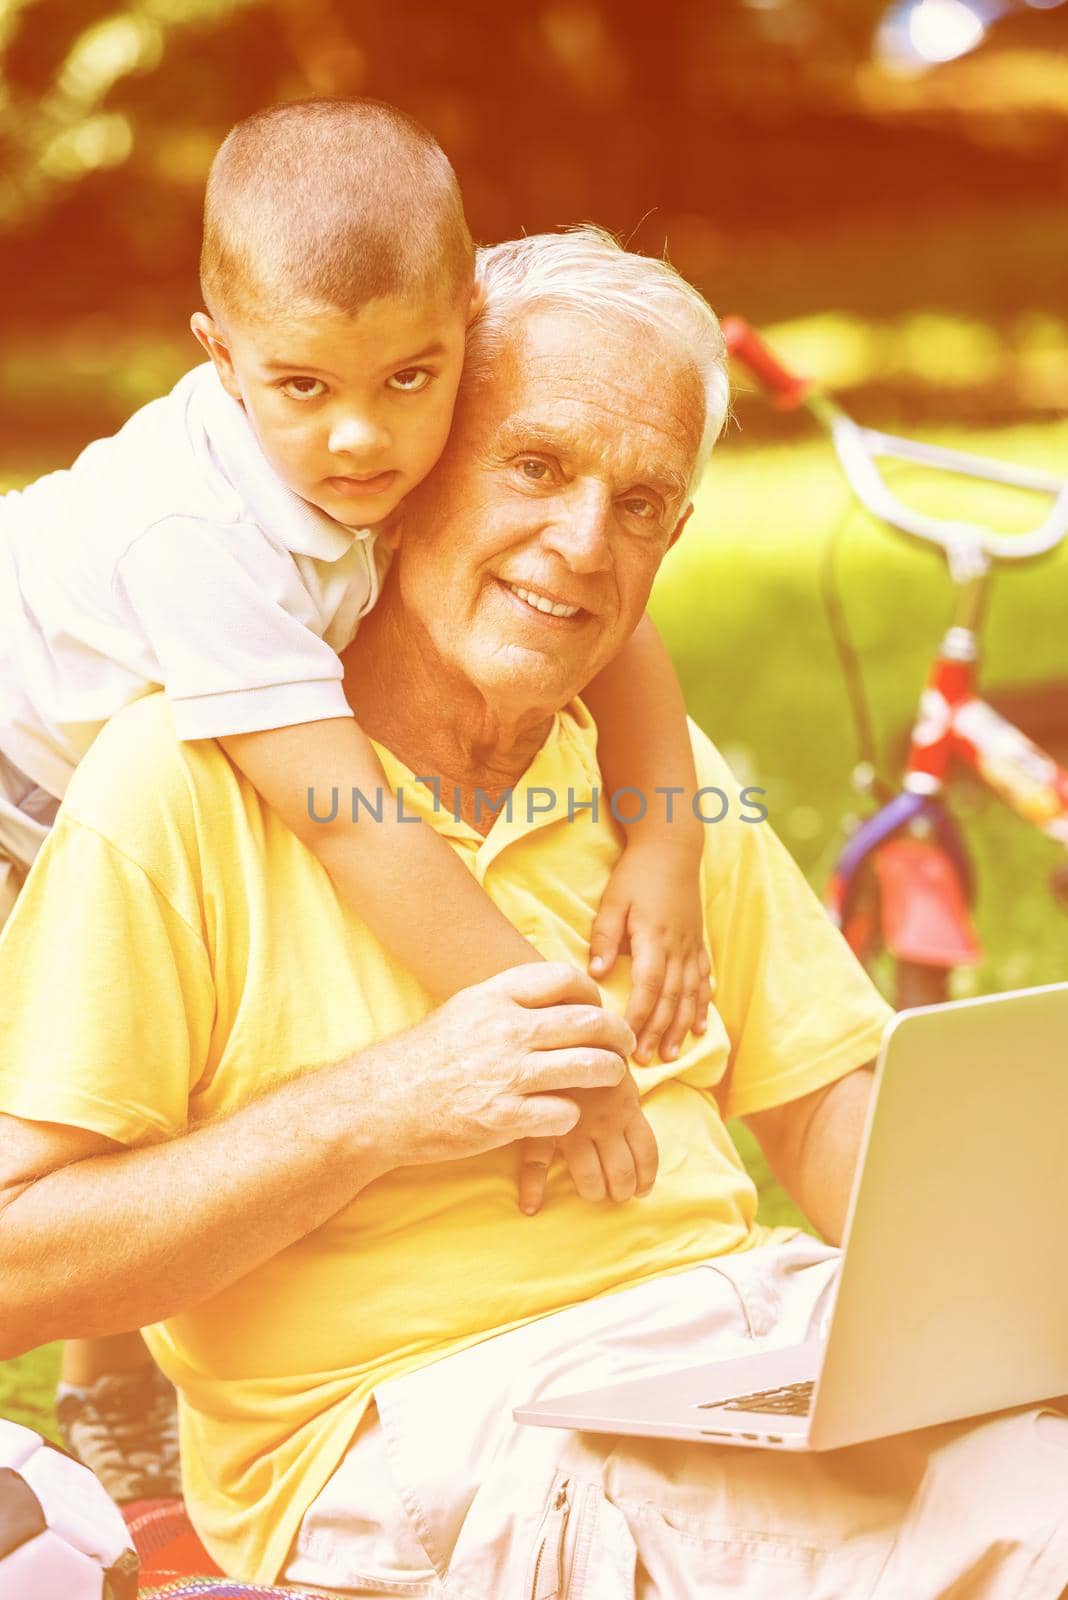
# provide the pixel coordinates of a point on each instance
(611, 1150)
(652, 906)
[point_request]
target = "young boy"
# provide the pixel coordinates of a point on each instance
(226, 542)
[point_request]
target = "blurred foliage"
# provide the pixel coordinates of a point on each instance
(760, 141)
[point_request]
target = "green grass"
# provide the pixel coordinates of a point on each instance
(739, 603)
(27, 1387)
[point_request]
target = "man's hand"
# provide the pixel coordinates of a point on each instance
(199, 1211)
(498, 1062)
(610, 1151)
(652, 906)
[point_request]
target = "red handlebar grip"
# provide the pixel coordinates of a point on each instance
(785, 388)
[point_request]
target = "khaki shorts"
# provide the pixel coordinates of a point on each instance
(441, 1494)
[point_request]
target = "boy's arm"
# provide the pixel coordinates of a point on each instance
(652, 900)
(390, 871)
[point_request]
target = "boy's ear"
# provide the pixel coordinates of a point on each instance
(476, 302)
(208, 333)
(683, 520)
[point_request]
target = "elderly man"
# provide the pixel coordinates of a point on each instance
(229, 1114)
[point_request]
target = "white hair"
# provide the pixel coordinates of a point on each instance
(585, 269)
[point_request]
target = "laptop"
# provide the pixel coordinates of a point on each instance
(953, 1294)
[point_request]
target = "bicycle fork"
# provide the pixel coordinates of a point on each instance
(920, 859)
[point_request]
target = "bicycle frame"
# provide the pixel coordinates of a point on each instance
(919, 857)
(956, 724)
(922, 863)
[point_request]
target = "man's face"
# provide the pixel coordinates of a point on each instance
(351, 411)
(530, 553)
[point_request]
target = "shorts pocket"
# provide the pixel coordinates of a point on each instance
(683, 1557)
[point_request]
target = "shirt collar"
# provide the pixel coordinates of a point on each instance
(300, 527)
(561, 776)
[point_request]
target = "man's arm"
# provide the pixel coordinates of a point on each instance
(813, 1145)
(96, 1238)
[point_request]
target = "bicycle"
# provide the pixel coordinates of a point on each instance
(903, 883)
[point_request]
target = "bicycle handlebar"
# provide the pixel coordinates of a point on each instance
(968, 545)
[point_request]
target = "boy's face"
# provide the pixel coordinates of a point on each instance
(351, 411)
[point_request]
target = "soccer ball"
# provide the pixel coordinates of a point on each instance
(61, 1535)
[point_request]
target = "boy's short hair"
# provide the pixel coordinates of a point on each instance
(330, 203)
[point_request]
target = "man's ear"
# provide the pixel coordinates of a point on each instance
(683, 520)
(477, 300)
(208, 333)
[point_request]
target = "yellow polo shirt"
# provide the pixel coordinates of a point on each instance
(176, 951)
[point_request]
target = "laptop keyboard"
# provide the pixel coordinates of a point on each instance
(791, 1400)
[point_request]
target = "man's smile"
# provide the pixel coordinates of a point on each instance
(549, 606)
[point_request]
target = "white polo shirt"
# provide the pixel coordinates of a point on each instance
(171, 555)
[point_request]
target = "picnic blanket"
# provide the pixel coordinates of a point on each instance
(175, 1563)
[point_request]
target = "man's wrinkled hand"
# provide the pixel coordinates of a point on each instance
(498, 1062)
